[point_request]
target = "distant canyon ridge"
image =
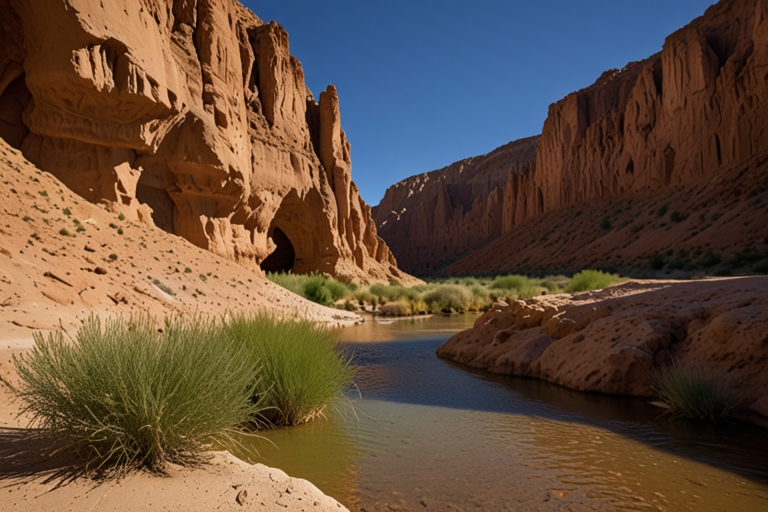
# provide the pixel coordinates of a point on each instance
(191, 115)
(661, 164)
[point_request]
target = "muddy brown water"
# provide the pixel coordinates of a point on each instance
(432, 435)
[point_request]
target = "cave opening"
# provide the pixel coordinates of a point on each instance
(283, 257)
(13, 101)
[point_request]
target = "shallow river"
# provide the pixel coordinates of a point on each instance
(432, 435)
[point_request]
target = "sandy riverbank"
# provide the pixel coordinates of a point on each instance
(32, 480)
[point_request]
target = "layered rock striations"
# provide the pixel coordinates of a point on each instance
(692, 119)
(697, 108)
(193, 115)
(432, 219)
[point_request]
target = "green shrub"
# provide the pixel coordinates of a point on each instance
(446, 297)
(694, 392)
(590, 280)
(337, 289)
(512, 282)
(314, 289)
(393, 292)
(130, 395)
(302, 369)
(397, 308)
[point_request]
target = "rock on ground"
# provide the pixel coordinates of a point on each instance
(610, 341)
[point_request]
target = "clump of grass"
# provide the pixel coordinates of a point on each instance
(396, 308)
(512, 282)
(447, 297)
(315, 287)
(64, 232)
(121, 217)
(517, 286)
(164, 287)
(129, 395)
(695, 392)
(590, 280)
(302, 368)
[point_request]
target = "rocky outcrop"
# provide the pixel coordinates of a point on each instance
(610, 341)
(432, 219)
(191, 114)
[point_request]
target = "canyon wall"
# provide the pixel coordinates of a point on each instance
(192, 115)
(651, 132)
(433, 218)
(698, 107)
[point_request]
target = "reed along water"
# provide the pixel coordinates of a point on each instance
(432, 435)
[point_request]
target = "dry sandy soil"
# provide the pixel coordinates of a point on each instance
(62, 258)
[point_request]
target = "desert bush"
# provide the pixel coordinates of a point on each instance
(695, 392)
(393, 292)
(314, 289)
(129, 395)
(337, 289)
(590, 280)
(302, 369)
(397, 308)
(447, 296)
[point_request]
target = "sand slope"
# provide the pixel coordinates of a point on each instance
(51, 274)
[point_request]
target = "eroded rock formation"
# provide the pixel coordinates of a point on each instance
(690, 119)
(697, 108)
(611, 340)
(191, 114)
(435, 217)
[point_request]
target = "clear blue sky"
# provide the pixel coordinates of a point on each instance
(425, 83)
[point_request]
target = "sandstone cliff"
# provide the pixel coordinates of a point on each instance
(193, 115)
(695, 109)
(433, 218)
(62, 258)
(690, 120)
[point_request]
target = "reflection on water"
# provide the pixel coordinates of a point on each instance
(433, 434)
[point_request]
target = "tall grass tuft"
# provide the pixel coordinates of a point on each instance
(447, 297)
(695, 392)
(302, 368)
(590, 280)
(132, 396)
(315, 287)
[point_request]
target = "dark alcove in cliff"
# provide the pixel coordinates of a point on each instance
(284, 255)
(13, 100)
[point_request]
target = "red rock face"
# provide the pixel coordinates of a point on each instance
(433, 218)
(191, 113)
(610, 341)
(696, 109)
(689, 120)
